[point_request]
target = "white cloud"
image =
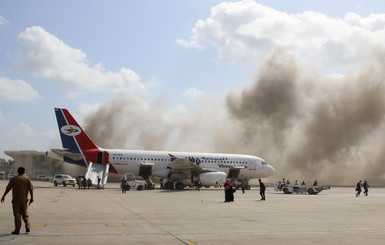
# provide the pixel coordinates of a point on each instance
(3, 21)
(194, 93)
(75, 94)
(17, 90)
(45, 56)
(2, 118)
(21, 136)
(87, 108)
(25, 129)
(188, 44)
(246, 31)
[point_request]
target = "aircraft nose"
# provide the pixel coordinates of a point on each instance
(270, 170)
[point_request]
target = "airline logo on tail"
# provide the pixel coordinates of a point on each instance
(78, 148)
(75, 140)
(71, 130)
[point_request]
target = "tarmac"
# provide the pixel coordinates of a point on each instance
(66, 215)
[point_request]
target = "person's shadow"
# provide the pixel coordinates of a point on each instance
(12, 235)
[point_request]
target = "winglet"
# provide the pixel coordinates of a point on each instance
(172, 157)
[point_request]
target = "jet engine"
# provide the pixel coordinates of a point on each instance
(212, 178)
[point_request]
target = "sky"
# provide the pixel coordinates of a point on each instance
(252, 77)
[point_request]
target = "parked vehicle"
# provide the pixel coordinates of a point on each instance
(43, 178)
(63, 179)
(10, 176)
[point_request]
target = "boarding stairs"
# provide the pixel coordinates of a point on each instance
(149, 183)
(97, 169)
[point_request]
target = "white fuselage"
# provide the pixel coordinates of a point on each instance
(130, 161)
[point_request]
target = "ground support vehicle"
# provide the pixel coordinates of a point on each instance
(134, 183)
(302, 189)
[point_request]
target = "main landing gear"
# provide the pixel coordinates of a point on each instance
(170, 185)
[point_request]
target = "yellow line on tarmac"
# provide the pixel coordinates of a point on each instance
(114, 224)
(187, 242)
(37, 225)
(72, 224)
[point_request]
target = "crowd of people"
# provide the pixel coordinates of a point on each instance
(84, 183)
(285, 182)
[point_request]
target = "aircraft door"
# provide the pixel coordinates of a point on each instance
(102, 157)
(233, 173)
(252, 164)
(145, 170)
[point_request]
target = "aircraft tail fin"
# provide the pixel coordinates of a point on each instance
(74, 139)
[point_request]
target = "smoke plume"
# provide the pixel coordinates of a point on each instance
(317, 127)
(308, 126)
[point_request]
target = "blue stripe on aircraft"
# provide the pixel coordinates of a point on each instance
(67, 141)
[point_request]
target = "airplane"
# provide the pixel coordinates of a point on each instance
(178, 169)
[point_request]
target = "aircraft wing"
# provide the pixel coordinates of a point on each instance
(181, 169)
(184, 165)
(180, 164)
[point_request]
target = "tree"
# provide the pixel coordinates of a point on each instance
(6, 165)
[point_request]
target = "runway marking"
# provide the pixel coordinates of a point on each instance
(185, 241)
(82, 223)
(37, 225)
(114, 224)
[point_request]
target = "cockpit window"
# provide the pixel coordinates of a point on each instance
(264, 163)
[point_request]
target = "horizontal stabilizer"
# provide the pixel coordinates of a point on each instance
(51, 154)
(65, 153)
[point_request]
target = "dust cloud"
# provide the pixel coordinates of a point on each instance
(307, 125)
